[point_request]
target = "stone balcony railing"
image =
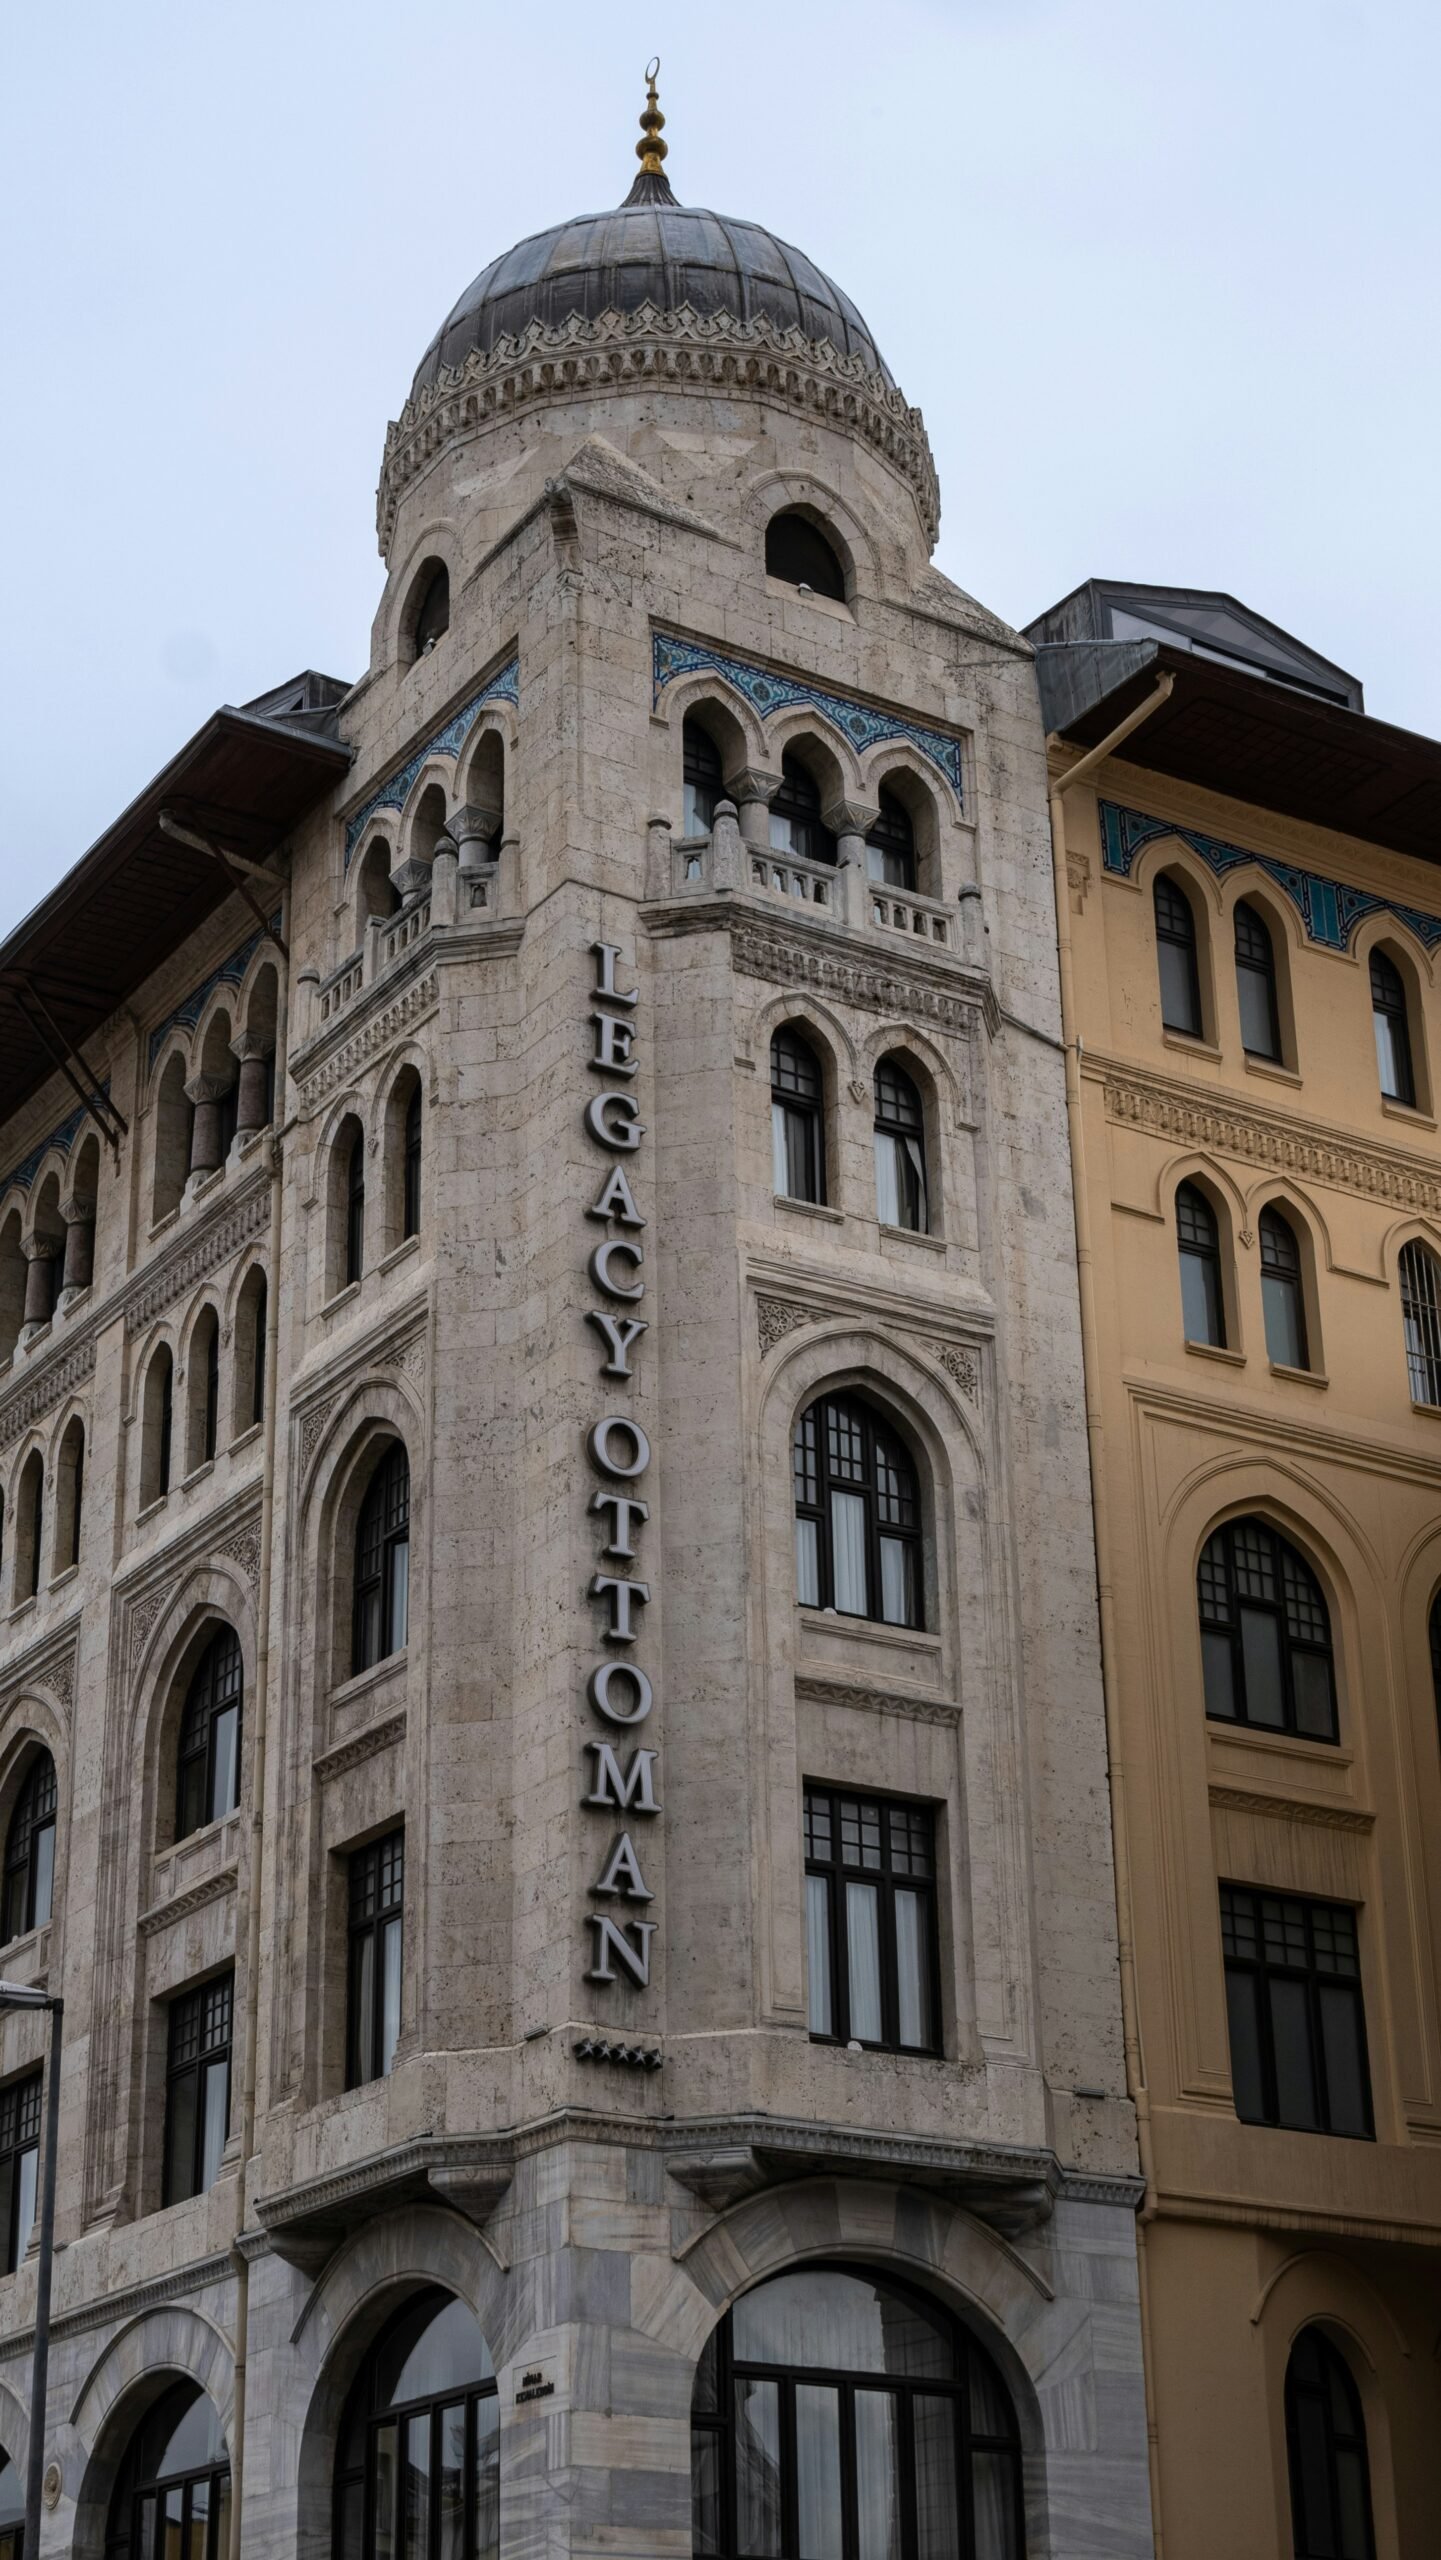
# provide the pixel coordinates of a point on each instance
(478, 895)
(838, 894)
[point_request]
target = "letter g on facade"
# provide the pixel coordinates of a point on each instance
(613, 1120)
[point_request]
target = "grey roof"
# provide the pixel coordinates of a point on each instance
(1202, 619)
(665, 254)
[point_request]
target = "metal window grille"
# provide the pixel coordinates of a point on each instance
(1421, 1321)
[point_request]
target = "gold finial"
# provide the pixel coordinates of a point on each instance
(650, 151)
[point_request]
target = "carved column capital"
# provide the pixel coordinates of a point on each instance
(78, 1209)
(40, 1248)
(203, 1089)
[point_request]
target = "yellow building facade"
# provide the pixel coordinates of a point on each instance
(1251, 940)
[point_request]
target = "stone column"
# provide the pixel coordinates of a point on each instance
(252, 1100)
(850, 822)
(42, 1253)
(206, 1093)
(78, 1212)
(476, 830)
(444, 872)
(753, 792)
(727, 853)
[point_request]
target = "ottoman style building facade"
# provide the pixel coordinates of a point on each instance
(1251, 913)
(551, 1733)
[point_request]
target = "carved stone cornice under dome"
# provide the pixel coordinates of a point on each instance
(673, 349)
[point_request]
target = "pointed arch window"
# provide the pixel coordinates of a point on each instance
(382, 1563)
(1326, 2448)
(1282, 1295)
(900, 1141)
(208, 1771)
(410, 1186)
(1256, 985)
(1198, 1244)
(798, 1155)
(795, 814)
(1176, 957)
(891, 845)
(1393, 1031)
(858, 1515)
(1420, 1277)
(30, 1850)
(19, 2167)
(702, 782)
(417, 2470)
(354, 1208)
(1265, 1633)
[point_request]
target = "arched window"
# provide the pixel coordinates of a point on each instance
(1433, 1628)
(204, 1390)
(798, 552)
(1198, 1243)
(1326, 2448)
(208, 1771)
(12, 2510)
(858, 1515)
(702, 782)
(174, 1115)
(172, 2496)
(1256, 985)
(1282, 1295)
(354, 1208)
(1176, 957)
(1420, 1278)
(248, 1387)
(374, 895)
(1393, 1034)
(901, 1198)
(1265, 1633)
(891, 845)
(12, 1284)
(30, 1851)
(410, 1170)
(70, 1496)
(432, 610)
(838, 2413)
(382, 1563)
(157, 1427)
(795, 814)
(417, 2470)
(798, 1151)
(30, 1527)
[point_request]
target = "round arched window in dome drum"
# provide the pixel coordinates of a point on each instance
(417, 2472)
(432, 612)
(836, 2412)
(798, 552)
(172, 2495)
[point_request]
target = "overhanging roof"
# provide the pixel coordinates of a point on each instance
(244, 779)
(1253, 739)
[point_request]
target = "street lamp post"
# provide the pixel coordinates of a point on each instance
(24, 1995)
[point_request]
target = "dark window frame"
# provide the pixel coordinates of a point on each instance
(32, 1493)
(1199, 1239)
(77, 1495)
(350, 2477)
(1233, 1562)
(899, 1117)
(259, 1322)
(816, 1476)
(798, 1093)
(796, 804)
(165, 1428)
(199, 2031)
(375, 1906)
(1247, 1907)
(702, 778)
(1311, 2430)
(355, 1210)
(216, 1688)
(36, 1812)
(170, 2495)
(1390, 1006)
(1255, 954)
(1278, 1241)
(1418, 1274)
(892, 841)
(382, 1526)
(210, 1409)
(20, 2119)
(432, 612)
(1174, 918)
(902, 1834)
(412, 1140)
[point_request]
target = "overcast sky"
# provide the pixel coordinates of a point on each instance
(1163, 279)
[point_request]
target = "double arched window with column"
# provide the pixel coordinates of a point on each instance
(839, 2414)
(858, 1515)
(30, 1850)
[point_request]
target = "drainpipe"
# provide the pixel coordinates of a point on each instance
(248, 1915)
(1100, 1511)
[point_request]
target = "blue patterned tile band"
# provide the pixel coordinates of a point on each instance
(504, 686)
(1330, 910)
(63, 1138)
(188, 1013)
(766, 693)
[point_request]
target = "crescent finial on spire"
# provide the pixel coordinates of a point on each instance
(652, 185)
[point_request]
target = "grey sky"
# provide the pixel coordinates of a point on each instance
(1162, 280)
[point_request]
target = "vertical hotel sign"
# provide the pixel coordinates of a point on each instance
(621, 1775)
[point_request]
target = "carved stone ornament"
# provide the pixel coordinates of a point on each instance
(776, 1317)
(320, 1074)
(52, 2482)
(1329, 1817)
(408, 1358)
(41, 1388)
(224, 1233)
(243, 1548)
(372, 1739)
(800, 958)
(1316, 1154)
(878, 1702)
(142, 1618)
(960, 1365)
(312, 1428)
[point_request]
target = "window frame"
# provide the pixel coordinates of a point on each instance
(1205, 1252)
(796, 803)
(1276, 1275)
(1187, 942)
(380, 1578)
(21, 1880)
(367, 2423)
(354, 1211)
(375, 1880)
(876, 1430)
(898, 1119)
(193, 2069)
(1321, 2392)
(892, 839)
(412, 1145)
(1258, 964)
(1289, 1646)
(205, 1709)
(825, 557)
(171, 2533)
(21, 2111)
(1418, 1277)
(1391, 1005)
(793, 1109)
(1263, 1970)
(702, 778)
(892, 1879)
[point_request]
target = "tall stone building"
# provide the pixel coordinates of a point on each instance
(1250, 921)
(550, 1720)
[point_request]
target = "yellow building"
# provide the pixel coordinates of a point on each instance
(1250, 912)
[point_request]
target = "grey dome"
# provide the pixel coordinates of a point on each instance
(665, 254)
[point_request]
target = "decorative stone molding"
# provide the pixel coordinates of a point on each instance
(776, 1317)
(1329, 1817)
(1330, 910)
(47, 1385)
(1012, 2189)
(115, 2311)
(878, 1702)
(306, 2224)
(320, 1071)
(408, 1358)
(866, 724)
(231, 1224)
(312, 1427)
(61, 1139)
(50, 1666)
(801, 958)
(638, 2057)
(194, 1898)
(653, 350)
(361, 1746)
(243, 1548)
(142, 1618)
(1309, 1152)
(447, 740)
(960, 1365)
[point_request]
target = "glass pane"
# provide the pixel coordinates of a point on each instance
(27, 2169)
(216, 2126)
(705, 2492)
(1388, 1058)
(431, 2355)
(758, 2469)
(368, 1629)
(1291, 2036)
(1283, 1321)
(848, 1553)
(878, 2488)
(1178, 996)
(387, 2491)
(780, 1166)
(1261, 1664)
(1200, 1298)
(352, 2521)
(390, 1994)
(1241, 2011)
(198, 2521)
(42, 1854)
(399, 1594)
(800, 1180)
(1311, 1688)
(450, 2485)
(1342, 2061)
(839, 2323)
(898, 1583)
(888, 1183)
(818, 2472)
(912, 1971)
(220, 2538)
(1354, 2517)
(223, 1793)
(938, 2523)
(1257, 1033)
(417, 2487)
(1216, 1669)
(818, 1956)
(172, 2525)
(180, 2139)
(808, 1564)
(487, 2479)
(993, 2490)
(362, 2007)
(863, 1954)
(145, 2528)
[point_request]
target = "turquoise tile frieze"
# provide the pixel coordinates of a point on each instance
(766, 692)
(62, 1139)
(188, 1012)
(1330, 910)
(504, 686)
